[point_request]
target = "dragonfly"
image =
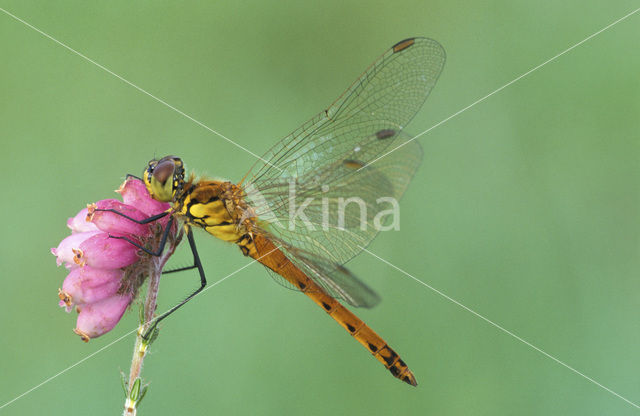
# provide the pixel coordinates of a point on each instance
(325, 161)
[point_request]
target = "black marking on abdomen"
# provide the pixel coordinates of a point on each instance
(326, 306)
(372, 347)
(351, 328)
(392, 356)
(244, 239)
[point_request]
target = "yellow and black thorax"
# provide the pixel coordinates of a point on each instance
(214, 206)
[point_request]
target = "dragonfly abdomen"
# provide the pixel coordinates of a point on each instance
(265, 251)
(365, 336)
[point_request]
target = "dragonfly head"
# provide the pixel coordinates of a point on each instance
(164, 178)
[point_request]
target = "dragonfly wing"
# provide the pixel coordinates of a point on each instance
(323, 166)
(337, 210)
(382, 100)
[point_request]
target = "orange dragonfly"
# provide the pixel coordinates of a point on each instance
(323, 162)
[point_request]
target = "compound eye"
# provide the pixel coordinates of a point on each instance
(158, 178)
(163, 171)
(148, 171)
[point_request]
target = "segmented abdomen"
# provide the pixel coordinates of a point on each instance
(264, 251)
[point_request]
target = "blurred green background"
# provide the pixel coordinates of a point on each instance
(525, 209)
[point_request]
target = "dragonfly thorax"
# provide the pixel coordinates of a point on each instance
(164, 178)
(217, 207)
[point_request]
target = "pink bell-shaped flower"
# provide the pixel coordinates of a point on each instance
(87, 285)
(98, 318)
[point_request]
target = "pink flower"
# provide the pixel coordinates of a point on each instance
(95, 319)
(114, 223)
(79, 223)
(88, 285)
(135, 193)
(96, 249)
(105, 273)
(65, 250)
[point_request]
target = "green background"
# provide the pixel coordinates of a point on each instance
(525, 209)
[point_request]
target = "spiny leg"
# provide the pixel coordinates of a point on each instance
(203, 283)
(196, 259)
(163, 240)
(179, 269)
(152, 218)
(144, 221)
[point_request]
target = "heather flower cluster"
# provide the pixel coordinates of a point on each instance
(104, 272)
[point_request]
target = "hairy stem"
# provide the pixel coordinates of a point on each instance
(135, 389)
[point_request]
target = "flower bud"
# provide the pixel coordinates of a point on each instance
(87, 285)
(95, 319)
(64, 252)
(134, 192)
(117, 224)
(79, 223)
(103, 252)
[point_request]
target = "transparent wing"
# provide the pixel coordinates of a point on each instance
(339, 208)
(335, 279)
(329, 234)
(382, 100)
(317, 195)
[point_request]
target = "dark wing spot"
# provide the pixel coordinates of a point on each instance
(352, 164)
(403, 44)
(385, 134)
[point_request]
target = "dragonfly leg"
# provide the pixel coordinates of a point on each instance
(180, 269)
(144, 221)
(203, 283)
(163, 241)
